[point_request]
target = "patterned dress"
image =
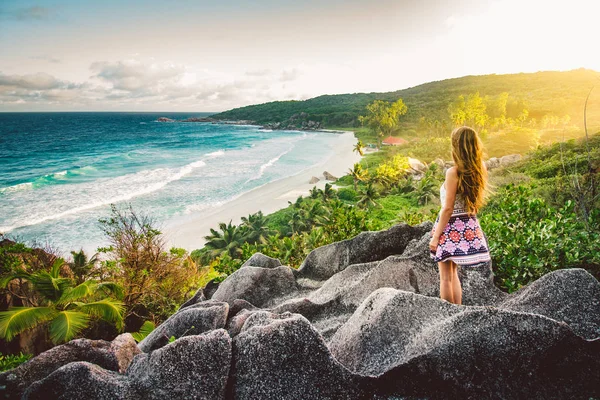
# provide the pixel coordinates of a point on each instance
(462, 240)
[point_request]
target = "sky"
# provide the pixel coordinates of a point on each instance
(209, 56)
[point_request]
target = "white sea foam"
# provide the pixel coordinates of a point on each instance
(103, 192)
(217, 153)
(268, 164)
(15, 188)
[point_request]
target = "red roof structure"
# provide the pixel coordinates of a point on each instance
(394, 141)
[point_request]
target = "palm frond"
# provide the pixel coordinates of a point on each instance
(67, 325)
(79, 292)
(106, 309)
(113, 288)
(49, 286)
(58, 263)
(18, 319)
(144, 331)
(6, 279)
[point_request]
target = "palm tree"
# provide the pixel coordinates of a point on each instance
(256, 227)
(315, 193)
(368, 196)
(297, 222)
(229, 240)
(314, 238)
(312, 211)
(328, 192)
(358, 174)
(425, 189)
(82, 266)
(67, 309)
(297, 203)
(359, 148)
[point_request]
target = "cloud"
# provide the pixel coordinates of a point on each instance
(39, 81)
(258, 72)
(47, 58)
(289, 75)
(134, 84)
(133, 75)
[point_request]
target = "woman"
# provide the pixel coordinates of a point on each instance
(457, 237)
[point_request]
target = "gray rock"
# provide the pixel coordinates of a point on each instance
(329, 177)
(193, 367)
(325, 261)
(284, 357)
(259, 286)
(192, 320)
(488, 353)
(260, 260)
(313, 180)
(210, 288)
(378, 335)
(165, 119)
(374, 301)
(568, 295)
(114, 356)
(477, 283)
(492, 163)
(419, 345)
(416, 165)
(198, 297)
(439, 162)
(82, 381)
(510, 159)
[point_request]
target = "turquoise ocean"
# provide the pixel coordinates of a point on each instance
(61, 171)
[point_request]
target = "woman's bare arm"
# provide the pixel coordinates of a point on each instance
(451, 183)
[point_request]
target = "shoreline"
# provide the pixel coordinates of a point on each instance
(188, 231)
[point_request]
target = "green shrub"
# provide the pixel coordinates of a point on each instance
(345, 180)
(528, 238)
(347, 194)
(11, 361)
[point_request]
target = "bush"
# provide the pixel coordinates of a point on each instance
(153, 277)
(345, 180)
(347, 194)
(528, 238)
(11, 361)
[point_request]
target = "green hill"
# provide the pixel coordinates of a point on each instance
(543, 93)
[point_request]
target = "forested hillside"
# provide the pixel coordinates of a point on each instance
(542, 94)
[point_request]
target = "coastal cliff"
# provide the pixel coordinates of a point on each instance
(361, 318)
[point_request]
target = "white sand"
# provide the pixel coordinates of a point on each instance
(189, 233)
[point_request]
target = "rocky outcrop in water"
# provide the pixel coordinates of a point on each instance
(360, 319)
(300, 121)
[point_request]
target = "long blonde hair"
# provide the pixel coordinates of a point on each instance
(467, 153)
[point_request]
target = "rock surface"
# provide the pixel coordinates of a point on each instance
(113, 356)
(313, 180)
(329, 177)
(191, 320)
(416, 165)
(360, 319)
(260, 260)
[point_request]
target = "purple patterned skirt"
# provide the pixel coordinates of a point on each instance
(462, 241)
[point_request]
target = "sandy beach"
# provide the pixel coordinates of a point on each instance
(188, 232)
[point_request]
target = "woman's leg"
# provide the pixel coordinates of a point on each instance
(456, 288)
(446, 277)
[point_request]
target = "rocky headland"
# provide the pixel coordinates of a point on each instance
(360, 319)
(298, 121)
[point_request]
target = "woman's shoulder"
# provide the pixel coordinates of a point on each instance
(452, 172)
